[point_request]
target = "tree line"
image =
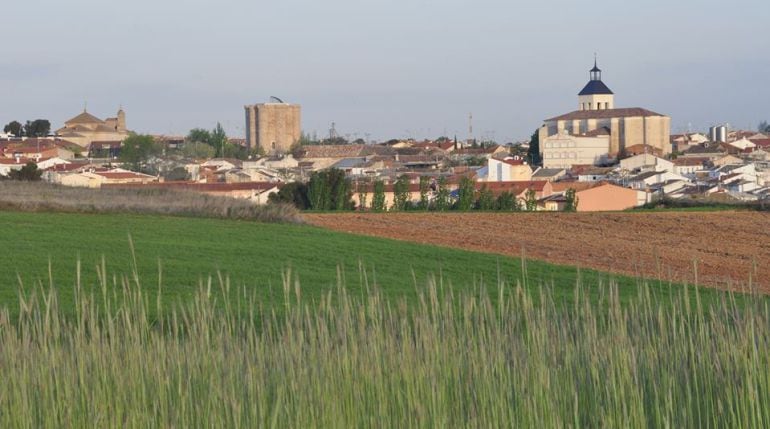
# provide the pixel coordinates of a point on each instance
(331, 190)
(36, 128)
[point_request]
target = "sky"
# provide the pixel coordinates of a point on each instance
(382, 69)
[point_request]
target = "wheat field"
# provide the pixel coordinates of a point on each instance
(512, 358)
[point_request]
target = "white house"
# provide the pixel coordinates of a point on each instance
(509, 169)
(651, 178)
(646, 161)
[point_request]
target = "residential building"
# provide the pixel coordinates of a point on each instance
(646, 162)
(508, 169)
(608, 197)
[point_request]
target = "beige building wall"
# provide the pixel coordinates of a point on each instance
(606, 198)
(564, 151)
(390, 197)
(274, 127)
(82, 180)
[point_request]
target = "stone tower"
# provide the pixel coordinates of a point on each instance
(273, 127)
(121, 121)
(596, 95)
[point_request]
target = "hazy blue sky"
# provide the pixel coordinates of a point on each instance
(389, 68)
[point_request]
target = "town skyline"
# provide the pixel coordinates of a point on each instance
(417, 72)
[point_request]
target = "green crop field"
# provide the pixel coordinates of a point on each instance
(252, 255)
(547, 346)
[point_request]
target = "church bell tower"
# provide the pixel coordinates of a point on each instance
(596, 95)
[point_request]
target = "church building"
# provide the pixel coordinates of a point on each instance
(598, 132)
(86, 128)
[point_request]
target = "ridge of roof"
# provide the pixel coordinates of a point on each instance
(605, 114)
(84, 118)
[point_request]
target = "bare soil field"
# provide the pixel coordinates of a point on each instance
(730, 249)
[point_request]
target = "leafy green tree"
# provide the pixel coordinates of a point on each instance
(137, 149)
(362, 186)
(466, 194)
(533, 153)
(401, 194)
(572, 201)
(486, 200)
(507, 202)
(442, 195)
(218, 140)
(15, 128)
(378, 199)
(28, 173)
(424, 203)
(197, 150)
(763, 127)
(318, 192)
(292, 193)
(37, 128)
(176, 174)
(330, 190)
(530, 200)
(199, 135)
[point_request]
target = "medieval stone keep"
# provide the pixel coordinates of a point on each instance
(273, 127)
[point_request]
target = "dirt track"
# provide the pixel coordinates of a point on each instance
(729, 247)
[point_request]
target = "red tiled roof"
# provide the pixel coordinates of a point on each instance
(689, 161)
(201, 187)
(514, 187)
(66, 167)
(13, 161)
(640, 149)
(605, 114)
(577, 186)
(514, 162)
(122, 175)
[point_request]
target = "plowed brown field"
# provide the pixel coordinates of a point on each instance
(729, 248)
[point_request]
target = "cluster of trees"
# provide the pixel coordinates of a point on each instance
(36, 128)
(468, 197)
(137, 150)
(201, 143)
(330, 190)
(327, 190)
(763, 127)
